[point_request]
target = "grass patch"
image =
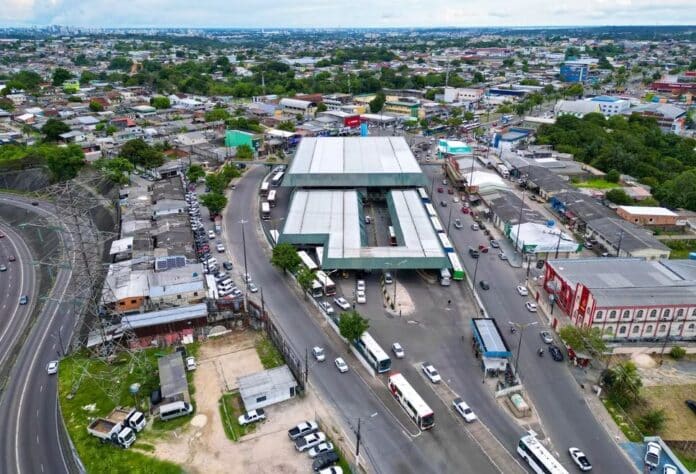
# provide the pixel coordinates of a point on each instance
(231, 406)
(670, 398)
(96, 388)
(596, 184)
(687, 460)
(625, 425)
(680, 248)
(268, 353)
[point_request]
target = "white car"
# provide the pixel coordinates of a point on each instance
(430, 372)
(652, 454)
(253, 288)
(342, 303)
(580, 459)
(398, 350)
(332, 470)
(211, 234)
(669, 469)
(321, 448)
(341, 365)
(361, 285)
(360, 297)
(502, 256)
(220, 248)
(191, 363)
(318, 353)
(52, 367)
(522, 290)
(252, 417)
(326, 307)
(464, 410)
(531, 307)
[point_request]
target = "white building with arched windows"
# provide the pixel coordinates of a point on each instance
(628, 299)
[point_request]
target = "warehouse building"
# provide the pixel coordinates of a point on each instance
(267, 387)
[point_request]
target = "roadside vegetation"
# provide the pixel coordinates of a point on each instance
(90, 387)
(268, 353)
(231, 406)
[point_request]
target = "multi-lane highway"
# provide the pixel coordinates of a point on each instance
(392, 443)
(35, 440)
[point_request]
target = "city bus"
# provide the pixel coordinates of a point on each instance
(430, 209)
(445, 242)
(537, 456)
(265, 211)
(373, 353)
(436, 224)
(423, 195)
(272, 198)
(457, 269)
(392, 237)
(317, 289)
(307, 260)
(263, 191)
(411, 402)
(327, 283)
(277, 178)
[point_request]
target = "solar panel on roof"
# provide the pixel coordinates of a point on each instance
(165, 263)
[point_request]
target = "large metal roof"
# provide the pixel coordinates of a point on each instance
(354, 162)
(172, 375)
(489, 337)
(333, 219)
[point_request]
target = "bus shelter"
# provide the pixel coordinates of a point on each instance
(490, 346)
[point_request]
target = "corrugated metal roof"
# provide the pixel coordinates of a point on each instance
(172, 375)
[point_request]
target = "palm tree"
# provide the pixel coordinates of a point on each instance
(625, 383)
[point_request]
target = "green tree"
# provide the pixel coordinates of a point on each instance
(623, 383)
(216, 183)
(116, 169)
(352, 325)
(63, 162)
(160, 102)
(508, 62)
(216, 115)
(613, 176)
(120, 63)
(244, 152)
(619, 196)
(478, 77)
(61, 75)
(287, 125)
(321, 107)
(677, 352)
(95, 106)
(138, 152)
(229, 172)
(305, 277)
(584, 339)
(377, 103)
(285, 257)
(53, 128)
(469, 116)
(652, 422)
(6, 104)
(215, 202)
(194, 173)
(574, 90)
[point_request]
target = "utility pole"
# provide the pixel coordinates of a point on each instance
(519, 222)
(246, 273)
(357, 443)
(449, 220)
(521, 327)
(306, 364)
(618, 250)
(558, 244)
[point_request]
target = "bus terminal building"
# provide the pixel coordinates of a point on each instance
(357, 199)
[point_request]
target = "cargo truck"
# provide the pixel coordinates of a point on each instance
(129, 417)
(112, 432)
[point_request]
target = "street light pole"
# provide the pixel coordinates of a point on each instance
(521, 327)
(246, 272)
(449, 220)
(358, 438)
(519, 222)
(475, 271)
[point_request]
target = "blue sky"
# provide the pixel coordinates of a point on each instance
(345, 13)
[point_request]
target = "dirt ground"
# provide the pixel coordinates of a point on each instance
(202, 446)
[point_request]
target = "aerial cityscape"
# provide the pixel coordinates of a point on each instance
(415, 238)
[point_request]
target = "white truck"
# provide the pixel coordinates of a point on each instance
(112, 432)
(503, 171)
(129, 417)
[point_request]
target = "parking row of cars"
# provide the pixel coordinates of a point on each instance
(309, 439)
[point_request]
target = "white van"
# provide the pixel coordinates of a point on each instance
(174, 410)
(211, 262)
(445, 277)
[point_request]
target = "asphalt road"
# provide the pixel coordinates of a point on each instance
(565, 417)
(391, 442)
(34, 440)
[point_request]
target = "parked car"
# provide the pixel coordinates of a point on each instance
(326, 307)
(397, 350)
(443, 203)
(669, 469)
(360, 286)
(556, 353)
(522, 290)
(332, 470)
(502, 256)
(324, 460)
(227, 266)
(430, 372)
(494, 243)
(325, 447)
(252, 416)
(458, 224)
(484, 285)
(303, 429)
(691, 404)
(220, 248)
(464, 410)
(440, 190)
(211, 234)
(341, 365)
(531, 307)
(190, 363)
(309, 441)
(253, 288)
(465, 210)
(360, 296)
(52, 367)
(342, 303)
(318, 353)
(546, 337)
(474, 226)
(580, 459)
(652, 454)
(473, 253)
(388, 280)
(450, 191)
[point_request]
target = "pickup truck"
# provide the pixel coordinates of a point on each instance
(309, 441)
(129, 417)
(111, 432)
(303, 429)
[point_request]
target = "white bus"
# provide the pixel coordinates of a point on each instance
(317, 289)
(327, 283)
(277, 178)
(430, 209)
(457, 269)
(411, 402)
(423, 195)
(264, 189)
(392, 237)
(272, 198)
(538, 457)
(265, 211)
(445, 242)
(307, 260)
(436, 224)
(373, 353)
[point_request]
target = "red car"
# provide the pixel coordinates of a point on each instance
(465, 210)
(450, 191)
(439, 190)
(483, 248)
(11, 258)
